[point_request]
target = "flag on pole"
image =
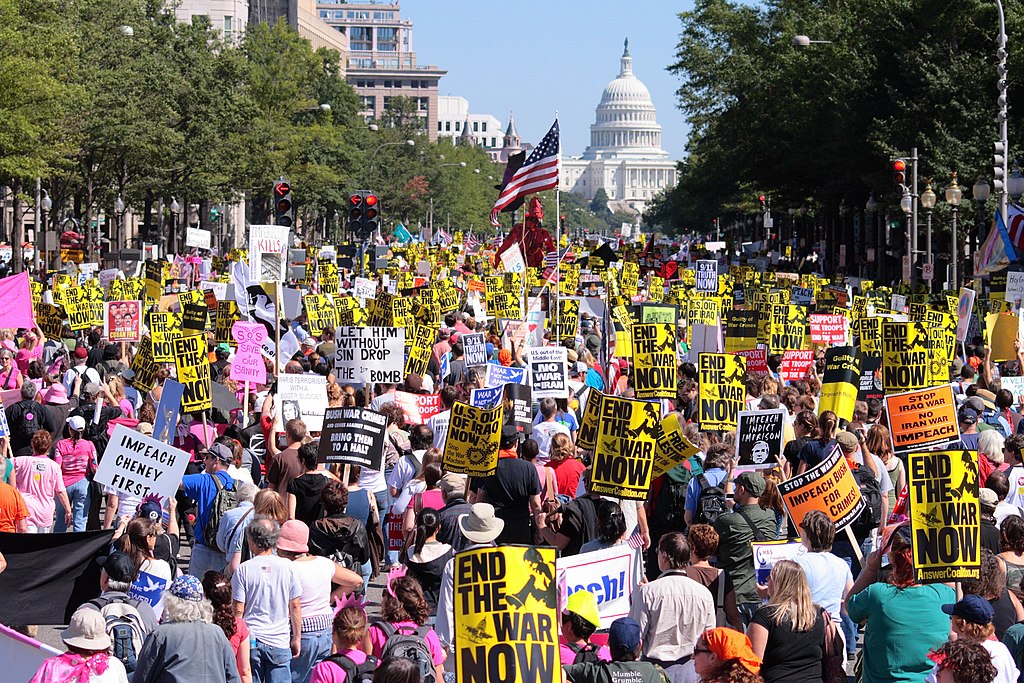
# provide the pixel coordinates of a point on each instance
(538, 173)
(471, 243)
(553, 258)
(995, 251)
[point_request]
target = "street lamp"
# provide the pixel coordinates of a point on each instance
(953, 197)
(1015, 183)
(981, 192)
(804, 41)
(45, 204)
(175, 209)
(119, 209)
(928, 203)
(907, 207)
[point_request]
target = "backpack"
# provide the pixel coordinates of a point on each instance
(411, 646)
(31, 420)
(95, 433)
(872, 496)
(710, 503)
(670, 504)
(584, 653)
(355, 673)
(993, 419)
(226, 499)
(125, 627)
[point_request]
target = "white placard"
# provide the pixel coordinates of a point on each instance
(268, 245)
(219, 289)
(301, 396)
(549, 371)
(369, 354)
(197, 237)
(364, 288)
(611, 574)
(138, 465)
(1015, 288)
(512, 260)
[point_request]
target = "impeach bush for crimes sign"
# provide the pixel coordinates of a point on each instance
(506, 617)
(829, 487)
(944, 519)
(627, 435)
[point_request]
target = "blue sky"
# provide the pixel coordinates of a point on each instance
(534, 57)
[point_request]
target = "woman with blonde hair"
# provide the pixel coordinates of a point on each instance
(789, 631)
(270, 504)
(878, 443)
(118, 398)
(567, 467)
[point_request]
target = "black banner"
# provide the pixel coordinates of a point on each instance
(518, 409)
(353, 436)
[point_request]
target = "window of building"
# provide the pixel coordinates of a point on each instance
(360, 84)
(483, 126)
(360, 38)
(494, 142)
(387, 101)
(324, 14)
(387, 84)
(338, 14)
(370, 84)
(407, 61)
(387, 39)
(385, 16)
(358, 15)
(227, 26)
(414, 84)
(388, 63)
(424, 103)
(476, 126)
(368, 102)
(457, 126)
(440, 127)
(447, 126)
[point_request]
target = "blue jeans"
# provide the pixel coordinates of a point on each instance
(843, 550)
(78, 496)
(270, 664)
(203, 559)
(316, 647)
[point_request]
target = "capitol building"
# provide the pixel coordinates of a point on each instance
(625, 155)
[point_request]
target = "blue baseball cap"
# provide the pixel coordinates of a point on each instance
(625, 634)
(972, 608)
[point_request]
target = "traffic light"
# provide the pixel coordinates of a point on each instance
(899, 172)
(284, 208)
(999, 167)
(363, 213)
(764, 203)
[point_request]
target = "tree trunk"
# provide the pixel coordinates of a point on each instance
(18, 230)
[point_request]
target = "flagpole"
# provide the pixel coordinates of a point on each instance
(558, 223)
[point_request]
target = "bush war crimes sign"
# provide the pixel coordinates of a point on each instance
(829, 486)
(722, 390)
(374, 355)
(944, 520)
(139, 465)
(921, 419)
(473, 438)
(654, 359)
(505, 608)
(839, 384)
(353, 436)
(627, 435)
(759, 437)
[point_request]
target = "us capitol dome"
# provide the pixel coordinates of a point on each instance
(625, 155)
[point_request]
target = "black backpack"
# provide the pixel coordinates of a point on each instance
(710, 503)
(670, 505)
(411, 646)
(94, 433)
(355, 673)
(584, 653)
(872, 496)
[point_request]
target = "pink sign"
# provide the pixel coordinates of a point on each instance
(248, 364)
(418, 408)
(828, 329)
(795, 365)
(757, 361)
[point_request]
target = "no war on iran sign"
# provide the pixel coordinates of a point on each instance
(138, 465)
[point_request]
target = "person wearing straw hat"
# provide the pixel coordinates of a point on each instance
(88, 658)
(481, 527)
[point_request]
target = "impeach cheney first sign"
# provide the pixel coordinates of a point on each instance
(138, 465)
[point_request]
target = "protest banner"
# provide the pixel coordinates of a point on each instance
(473, 438)
(197, 237)
(268, 246)
(922, 419)
(353, 436)
(672, 447)
(474, 349)
(374, 355)
(164, 327)
(139, 465)
(829, 487)
(122, 321)
(487, 397)
(418, 408)
(945, 515)
(611, 574)
(586, 438)
(568, 319)
(144, 367)
(419, 353)
(518, 412)
(320, 313)
(905, 356)
(839, 382)
(194, 319)
(828, 329)
(50, 319)
(964, 310)
(512, 260)
(303, 397)
(741, 332)
(506, 615)
(870, 379)
(767, 553)
(499, 375)
(788, 329)
(22, 655)
(624, 455)
(654, 361)
(722, 389)
(703, 310)
(1014, 288)
(757, 361)
(16, 302)
(759, 436)
(248, 365)
(504, 296)
(549, 372)
(167, 411)
(193, 367)
(707, 276)
(1001, 330)
(795, 365)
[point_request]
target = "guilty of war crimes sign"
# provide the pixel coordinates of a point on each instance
(654, 360)
(627, 435)
(721, 389)
(944, 515)
(505, 609)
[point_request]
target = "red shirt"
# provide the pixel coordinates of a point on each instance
(567, 475)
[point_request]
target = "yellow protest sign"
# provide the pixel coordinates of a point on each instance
(741, 331)
(654, 360)
(504, 296)
(672, 447)
(840, 382)
(227, 316)
(788, 328)
(722, 390)
(506, 620)
(419, 353)
(586, 437)
(164, 327)
(701, 310)
(144, 366)
(473, 438)
(945, 527)
(624, 457)
(320, 313)
(193, 367)
(905, 356)
(568, 319)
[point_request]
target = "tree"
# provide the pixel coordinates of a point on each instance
(599, 204)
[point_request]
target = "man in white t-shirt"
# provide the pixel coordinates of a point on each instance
(1015, 474)
(266, 592)
(439, 423)
(545, 430)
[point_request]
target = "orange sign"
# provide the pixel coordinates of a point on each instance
(923, 418)
(829, 486)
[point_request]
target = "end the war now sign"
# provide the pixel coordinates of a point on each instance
(138, 465)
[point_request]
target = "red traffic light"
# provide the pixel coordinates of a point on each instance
(355, 199)
(371, 213)
(281, 189)
(899, 165)
(761, 198)
(371, 199)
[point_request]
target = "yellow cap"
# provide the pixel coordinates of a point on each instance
(584, 604)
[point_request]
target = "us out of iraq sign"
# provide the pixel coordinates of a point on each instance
(193, 367)
(549, 372)
(353, 436)
(944, 520)
(759, 437)
(721, 389)
(840, 382)
(506, 617)
(374, 355)
(654, 361)
(627, 434)
(474, 435)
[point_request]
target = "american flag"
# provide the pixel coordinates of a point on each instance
(538, 173)
(497, 241)
(471, 243)
(636, 540)
(442, 238)
(553, 258)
